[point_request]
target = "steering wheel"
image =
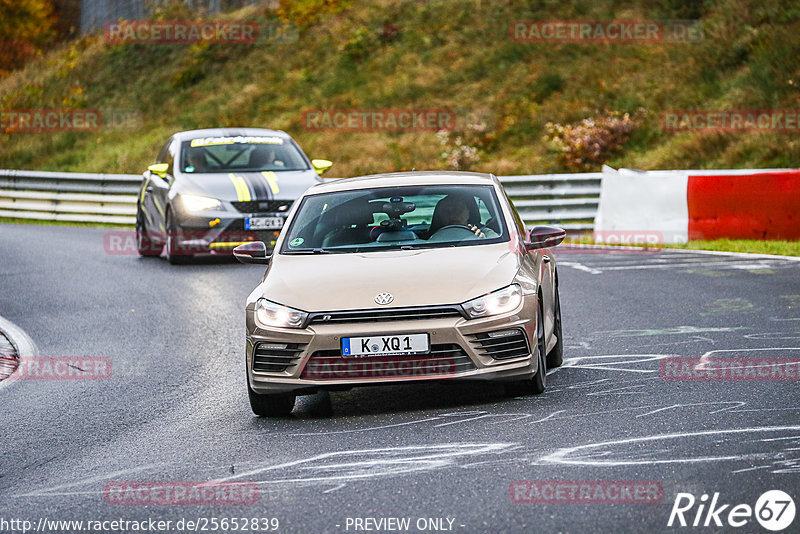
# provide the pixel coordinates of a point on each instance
(464, 226)
(455, 227)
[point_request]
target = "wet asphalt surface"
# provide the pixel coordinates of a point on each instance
(174, 406)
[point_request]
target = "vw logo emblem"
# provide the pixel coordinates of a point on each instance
(384, 298)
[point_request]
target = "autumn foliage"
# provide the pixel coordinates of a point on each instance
(26, 26)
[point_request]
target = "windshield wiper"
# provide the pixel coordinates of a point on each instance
(312, 251)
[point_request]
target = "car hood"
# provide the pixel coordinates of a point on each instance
(425, 277)
(251, 185)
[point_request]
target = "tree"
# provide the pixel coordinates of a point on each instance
(26, 26)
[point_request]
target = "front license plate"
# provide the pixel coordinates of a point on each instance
(263, 223)
(394, 345)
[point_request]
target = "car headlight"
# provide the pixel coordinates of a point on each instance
(272, 314)
(193, 203)
(500, 301)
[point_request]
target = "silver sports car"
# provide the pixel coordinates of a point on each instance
(402, 277)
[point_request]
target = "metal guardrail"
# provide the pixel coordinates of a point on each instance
(569, 200)
(69, 196)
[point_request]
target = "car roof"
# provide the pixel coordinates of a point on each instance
(228, 132)
(394, 179)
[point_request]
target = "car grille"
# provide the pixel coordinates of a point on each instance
(502, 344)
(443, 360)
(263, 206)
(382, 315)
(272, 357)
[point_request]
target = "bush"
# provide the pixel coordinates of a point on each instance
(26, 26)
(589, 143)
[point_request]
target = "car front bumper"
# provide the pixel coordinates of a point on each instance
(219, 232)
(281, 360)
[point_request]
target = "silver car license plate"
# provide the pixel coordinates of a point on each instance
(263, 223)
(385, 345)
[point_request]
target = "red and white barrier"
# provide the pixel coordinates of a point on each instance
(682, 205)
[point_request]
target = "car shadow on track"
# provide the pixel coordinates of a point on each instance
(398, 399)
(195, 261)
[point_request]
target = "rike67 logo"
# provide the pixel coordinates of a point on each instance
(774, 510)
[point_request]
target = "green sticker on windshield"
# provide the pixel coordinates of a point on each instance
(296, 242)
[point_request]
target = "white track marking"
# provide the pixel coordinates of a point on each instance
(774, 335)
(732, 254)
(343, 466)
(686, 252)
(668, 331)
(588, 455)
(54, 490)
(23, 344)
(723, 264)
(610, 366)
(462, 420)
(580, 267)
(745, 470)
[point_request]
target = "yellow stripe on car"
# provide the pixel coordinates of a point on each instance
(228, 244)
(242, 190)
(144, 190)
(272, 180)
(158, 205)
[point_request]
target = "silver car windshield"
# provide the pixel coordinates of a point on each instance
(240, 154)
(366, 220)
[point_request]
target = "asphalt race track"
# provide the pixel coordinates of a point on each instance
(174, 407)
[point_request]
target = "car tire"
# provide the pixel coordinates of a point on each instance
(174, 255)
(274, 405)
(536, 384)
(556, 356)
(145, 245)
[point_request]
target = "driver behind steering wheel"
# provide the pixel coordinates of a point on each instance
(454, 212)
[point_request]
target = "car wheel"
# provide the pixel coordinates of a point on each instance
(275, 405)
(144, 244)
(538, 382)
(556, 356)
(174, 254)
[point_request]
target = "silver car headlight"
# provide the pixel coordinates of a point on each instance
(275, 315)
(192, 203)
(495, 303)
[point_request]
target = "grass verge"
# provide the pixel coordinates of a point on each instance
(752, 246)
(11, 220)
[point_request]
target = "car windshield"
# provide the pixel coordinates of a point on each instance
(240, 153)
(366, 220)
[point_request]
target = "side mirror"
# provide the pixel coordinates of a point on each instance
(159, 169)
(321, 165)
(253, 252)
(544, 237)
